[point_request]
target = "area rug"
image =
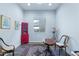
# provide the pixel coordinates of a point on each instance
(36, 51)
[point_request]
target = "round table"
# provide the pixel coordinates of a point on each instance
(49, 42)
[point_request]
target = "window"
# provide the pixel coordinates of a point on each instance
(39, 24)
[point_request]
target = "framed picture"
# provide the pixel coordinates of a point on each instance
(17, 25)
(5, 22)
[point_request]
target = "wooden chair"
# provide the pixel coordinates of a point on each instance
(4, 48)
(62, 43)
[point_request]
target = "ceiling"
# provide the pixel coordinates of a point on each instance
(41, 6)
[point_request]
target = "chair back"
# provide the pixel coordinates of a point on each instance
(3, 44)
(7, 48)
(64, 39)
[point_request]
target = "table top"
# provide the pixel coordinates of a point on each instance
(50, 41)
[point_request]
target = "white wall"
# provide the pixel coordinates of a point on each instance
(11, 36)
(50, 20)
(67, 18)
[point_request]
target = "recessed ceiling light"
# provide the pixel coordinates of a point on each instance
(28, 4)
(50, 4)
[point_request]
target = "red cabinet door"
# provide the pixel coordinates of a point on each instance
(25, 38)
(24, 27)
(24, 33)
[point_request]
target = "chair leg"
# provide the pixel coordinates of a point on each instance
(3, 54)
(46, 51)
(65, 51)
(13, 53)
(59, 51)
(55, 46)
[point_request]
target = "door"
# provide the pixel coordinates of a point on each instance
(24, 33)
